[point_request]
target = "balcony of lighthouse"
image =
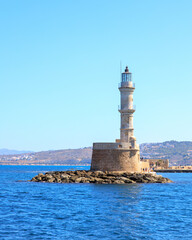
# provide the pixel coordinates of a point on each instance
(131, 109)
(115, 145)
(127, 84)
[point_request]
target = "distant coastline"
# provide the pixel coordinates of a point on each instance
(178, 153)
(88, 165)
(69, 165)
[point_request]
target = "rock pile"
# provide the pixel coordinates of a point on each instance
(82, 176)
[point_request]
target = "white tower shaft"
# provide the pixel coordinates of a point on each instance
(127, 109)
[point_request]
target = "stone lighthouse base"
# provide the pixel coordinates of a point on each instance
(115, 157)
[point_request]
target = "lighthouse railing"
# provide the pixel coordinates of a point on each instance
(127, 84)
(133, 107)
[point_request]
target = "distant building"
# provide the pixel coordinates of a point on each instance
(156, 164)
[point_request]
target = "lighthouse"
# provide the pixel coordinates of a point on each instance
(126, 109)
(123, 154)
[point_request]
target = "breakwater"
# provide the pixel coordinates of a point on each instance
(99, 177)
(174, 170)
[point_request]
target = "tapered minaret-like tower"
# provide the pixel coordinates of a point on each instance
(122, 155)
(127, 108)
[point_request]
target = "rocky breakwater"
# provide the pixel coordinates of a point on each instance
(99, 177)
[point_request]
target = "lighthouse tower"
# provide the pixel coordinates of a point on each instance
(122, 155)
(127, 108)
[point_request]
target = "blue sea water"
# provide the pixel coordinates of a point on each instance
(30, 210)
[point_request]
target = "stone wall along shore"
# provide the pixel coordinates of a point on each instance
(82, 176)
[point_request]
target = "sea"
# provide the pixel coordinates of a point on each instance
(31, 210)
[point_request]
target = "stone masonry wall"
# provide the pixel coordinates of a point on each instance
(115, 160)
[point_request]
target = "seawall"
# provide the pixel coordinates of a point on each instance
(173, 171)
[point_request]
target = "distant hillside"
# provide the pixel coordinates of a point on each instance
(5, 151)
(81, 156)
(178, 153)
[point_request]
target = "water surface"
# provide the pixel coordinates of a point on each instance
(30, 210)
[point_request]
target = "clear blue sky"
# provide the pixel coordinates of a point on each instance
(60, 71)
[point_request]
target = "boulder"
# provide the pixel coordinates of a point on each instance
(78, 180)
(64, 176)
(118, 182)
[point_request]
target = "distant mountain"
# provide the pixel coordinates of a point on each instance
(5, 151)
(178, 153)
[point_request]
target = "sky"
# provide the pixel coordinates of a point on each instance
(60, 69)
